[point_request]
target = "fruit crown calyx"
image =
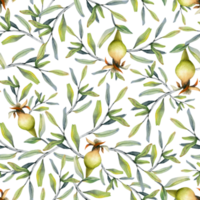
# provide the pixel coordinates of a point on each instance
(96, 144)
(3, 194)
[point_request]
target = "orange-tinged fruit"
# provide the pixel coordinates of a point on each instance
(188, 2)
(185, 70)
(92, 159)
(25, 121)
(186, 193)
(117, 50)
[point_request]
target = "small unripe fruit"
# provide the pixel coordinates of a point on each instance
(185, 71)
(186, 193)
(188, 2)
(117, 50)
(25, 121)
(92, 159)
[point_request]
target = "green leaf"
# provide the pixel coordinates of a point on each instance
(7, 17)
(187, 28)
(62, 29)
(187, 148)
(125, 166)
(118, 16)
(92, 17)
(153, 176)
(101, 177)
(120, 120)
(25, 91)
(78, 168)
(24, 22)
(115, 171)
(101, 15)
(50, 10)
(7, 156)
(63, 163)
(36, 9)
(76, 44)
(41, 53)
(97, 112)
(66, 174)
(74, 135)
(142, 38)
(171, 34)
(178, 124)
(178, 48)
(91, 179)
(173, 159)
(83, 107)
(158, 54)
(30, 154)
(151, 91)
(52, 144)
(140, 59)
(21, 54)
(84, 72)
(134, 130)
(71, 180)
(90, 93)
(84, 61)
(2, 166)
(148, 73)
(137, 104)
(159, 113)
(66, 194)
(195, 53)
(3, 26)
(153, 154)
(91, 43)
(154, 16)
(123, 29)
(113, 112)
(105, 36)
(135, 5)
(72, 52)
(18, 193)
(70, 93)
(198, 181)
(163, 170)
(97, 193)
(163, 74)
(2, 61)
(195, 174)
(45, 194)
(106, 133)
(8, 98)
(153, 194)
(17, 168)
(175, 181)
(121, 94)
(28, 12)
(6, 82)
(102, 80)
(42, 126)
(51, 118)
(79, 7)
(6, 134)
(56, 135)
(11, 39)
(22, 177)
(127, 143)
(171, 137)
(154, 66)
(52, 182)
(39, 25)
(40, 174)
(151, 84)
(144, 152)
(45, 33)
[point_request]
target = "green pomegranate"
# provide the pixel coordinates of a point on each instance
(92, 159)
(188, 2)
(25, 121)
(185, 193)
(185, 70)
(117, 50)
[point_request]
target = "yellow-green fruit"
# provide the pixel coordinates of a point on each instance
(92, 159)
(185, 193)
(25, 121)
(188, 2)
(185, 70)
(117, 50)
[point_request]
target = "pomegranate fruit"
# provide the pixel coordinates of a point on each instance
(25, 121)
(92, 159)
